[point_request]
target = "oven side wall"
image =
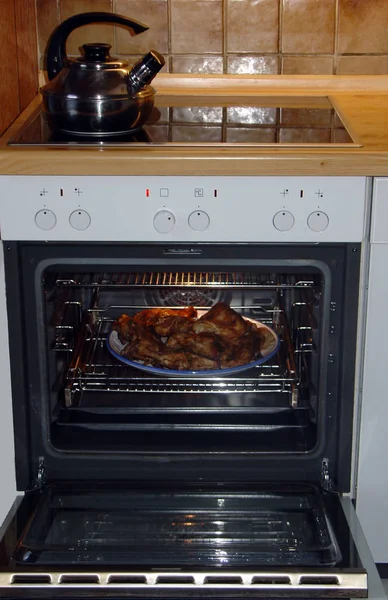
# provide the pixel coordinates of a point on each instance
(372, 484)
(7, 453)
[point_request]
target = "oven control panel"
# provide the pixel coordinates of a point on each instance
(203, 209)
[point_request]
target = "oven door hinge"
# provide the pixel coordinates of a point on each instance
(40, 480)
(326, 482)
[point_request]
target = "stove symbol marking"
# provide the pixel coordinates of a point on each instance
(43, 192)
(78, 191)
(319, 193)
(284, 193)
(198, 193)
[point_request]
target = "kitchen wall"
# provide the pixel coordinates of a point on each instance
(18, 64)
(239, 36)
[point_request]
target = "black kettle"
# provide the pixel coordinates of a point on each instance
(97, 94)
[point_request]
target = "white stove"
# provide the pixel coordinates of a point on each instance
(179, 215)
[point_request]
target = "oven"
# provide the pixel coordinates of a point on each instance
(145, 483)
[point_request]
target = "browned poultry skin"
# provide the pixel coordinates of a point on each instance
(143, 345)
(240, 352)
(203, 344)
(219, 339)
(222, 321)
(155, 317)
(122, 326)
(201, 363)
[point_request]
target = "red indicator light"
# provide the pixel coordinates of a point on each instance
(215, 193)
(147, 193)
(61, 192)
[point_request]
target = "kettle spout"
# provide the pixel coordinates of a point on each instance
(144, 71)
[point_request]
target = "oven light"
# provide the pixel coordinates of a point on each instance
(147, 193)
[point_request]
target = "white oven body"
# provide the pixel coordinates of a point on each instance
(234, 209)
(293, 210)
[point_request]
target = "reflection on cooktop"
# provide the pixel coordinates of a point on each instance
(261, 121)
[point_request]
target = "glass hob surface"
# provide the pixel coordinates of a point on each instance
(252, 122)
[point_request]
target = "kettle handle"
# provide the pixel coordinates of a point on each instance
(56, 50)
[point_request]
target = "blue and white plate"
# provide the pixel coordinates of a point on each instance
(115, 346)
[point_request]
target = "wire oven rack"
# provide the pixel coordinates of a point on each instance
(93, 369)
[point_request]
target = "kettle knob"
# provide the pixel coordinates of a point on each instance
(144, 71)
(96, 52)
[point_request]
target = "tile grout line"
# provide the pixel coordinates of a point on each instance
(335, 51)
(280, 65)
(169, 36)
(336, 37)
(225, 35)
(170, 61)
(280, 38)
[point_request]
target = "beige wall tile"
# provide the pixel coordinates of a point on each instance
(252, 25)
(305, 117)
(197, 114)
(150, 12)
(251, 115)
(87, 33)
(197, 64)
(363, 26)
(364, 65)
(185, 133)
(305, 65)
(262, 65)
(157, 133)
(250, 42)
(196, 26)
(341, 136)
(47, 16)
(308, 26)
(245, 135)
(302, 136)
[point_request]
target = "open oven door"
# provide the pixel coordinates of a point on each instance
(219, 541)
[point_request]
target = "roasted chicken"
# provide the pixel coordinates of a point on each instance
(223, 321)
(178, 340)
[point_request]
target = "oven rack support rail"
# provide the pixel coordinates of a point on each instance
(312, 583)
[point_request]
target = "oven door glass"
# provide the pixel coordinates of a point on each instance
(257, 540)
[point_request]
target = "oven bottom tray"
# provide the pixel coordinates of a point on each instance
(276, 526)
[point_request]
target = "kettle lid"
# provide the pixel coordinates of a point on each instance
(96, 56)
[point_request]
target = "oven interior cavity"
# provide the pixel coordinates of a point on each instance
(99, 404)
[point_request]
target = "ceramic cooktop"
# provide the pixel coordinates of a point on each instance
(198, 121)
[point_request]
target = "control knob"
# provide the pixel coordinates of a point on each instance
(45, 219)
(318, 221)
(283, 220)
(164, 221)
(199, 220)
(80, 220)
